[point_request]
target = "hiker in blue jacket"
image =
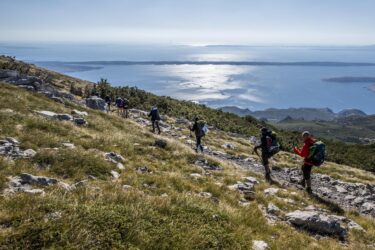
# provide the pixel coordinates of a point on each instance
(199, 133)
(155, 118)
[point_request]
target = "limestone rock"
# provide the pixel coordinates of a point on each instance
(271, 191)
(79, 121)
(120, 166)
(205, 194)
(114, 157)
(115, 174)
(95, 102)
(64, 117)
(182, 121)
(69, 145)
(317, 222)
(195, 175)
(272, 209)
(259, 245)
(228, 146)
(207, 166)
(79, 113)
(24, 183)
(142, 169)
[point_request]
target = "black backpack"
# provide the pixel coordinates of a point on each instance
(125, 102)
(155, 114)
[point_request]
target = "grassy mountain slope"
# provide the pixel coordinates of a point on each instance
(55, 79)
(162, 210)
(360, 156)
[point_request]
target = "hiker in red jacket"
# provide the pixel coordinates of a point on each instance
(307, 164)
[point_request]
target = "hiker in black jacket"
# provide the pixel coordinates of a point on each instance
(265, 133)
(197, 129)
(155, 118)
(108, 100)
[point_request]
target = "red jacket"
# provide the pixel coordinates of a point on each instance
(304, 152)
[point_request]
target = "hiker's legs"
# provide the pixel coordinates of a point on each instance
(157, 126)
(126, 113)
(199, 144)
(266, 165)
(306, 169)
(153, 126)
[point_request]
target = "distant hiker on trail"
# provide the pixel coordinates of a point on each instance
(155, 118)
(200, 129)
(108, 100)
(269, 146)
(125, 107)
(313, 152)
(119, 104)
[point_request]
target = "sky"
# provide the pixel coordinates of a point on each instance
(196, 22)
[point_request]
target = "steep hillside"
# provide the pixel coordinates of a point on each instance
(54, 79)
(61, 188)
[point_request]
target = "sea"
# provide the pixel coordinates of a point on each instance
(256, 77)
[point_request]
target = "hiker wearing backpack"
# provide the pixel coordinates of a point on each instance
(313, 152)
(269, 146)
(155, 118)
(108, 100)
(125, 107)
(200, 129)
(119, 104)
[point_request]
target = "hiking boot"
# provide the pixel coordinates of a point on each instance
(268, 177)
(309, 190)
(302, 183)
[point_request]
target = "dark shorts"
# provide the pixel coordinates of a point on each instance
(306, 170)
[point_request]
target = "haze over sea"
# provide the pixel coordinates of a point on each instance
(254, 77)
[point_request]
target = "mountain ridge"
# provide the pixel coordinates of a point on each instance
(309, 114)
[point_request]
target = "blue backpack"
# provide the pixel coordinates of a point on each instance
(317, 153)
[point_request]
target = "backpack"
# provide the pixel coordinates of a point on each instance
(273, 144)
(202, 128)
(317, 153)
(119, 102)
(125, 102)
(155, 114)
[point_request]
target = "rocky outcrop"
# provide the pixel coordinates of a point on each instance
(205, 165)
(10, 147)
(34, 83)
(259, 245)
(228, 146)
(350, 196)
(247, 187)
(95, 102)
(80, 121)
(357, 196)
(114, 157)
(318, 222)
(26, 183)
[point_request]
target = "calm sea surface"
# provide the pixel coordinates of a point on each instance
(253, 85)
